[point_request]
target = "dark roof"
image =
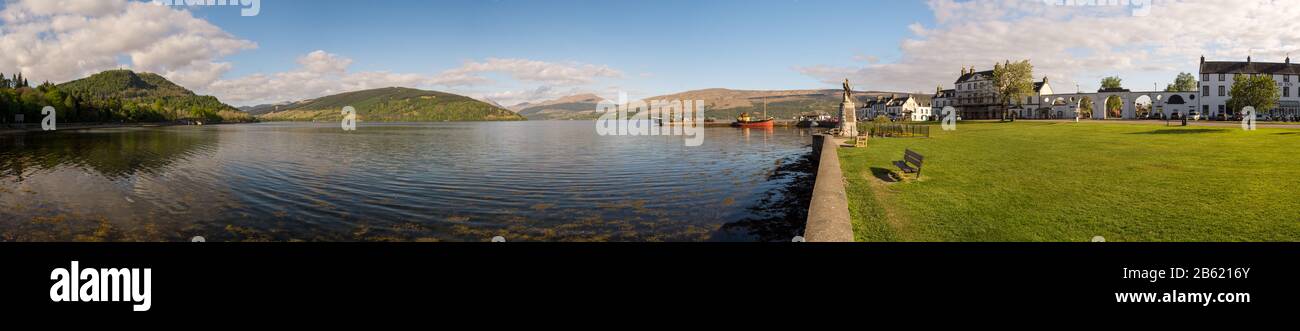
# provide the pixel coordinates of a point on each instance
(946, 94)
(1269, 68)
(970, 76)
(1113, 90)
(1038, 87)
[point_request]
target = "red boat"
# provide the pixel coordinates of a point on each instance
(745, 121)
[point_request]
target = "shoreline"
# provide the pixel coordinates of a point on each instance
(84, 126)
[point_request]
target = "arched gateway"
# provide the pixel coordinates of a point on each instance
(1163, 104)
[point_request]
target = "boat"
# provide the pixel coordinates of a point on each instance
(806, 121)
(828, 122)
(747, 121)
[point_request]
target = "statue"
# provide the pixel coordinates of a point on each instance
(848, 113)
(848, 90)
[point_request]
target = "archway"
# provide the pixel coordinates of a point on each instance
(1143, 107)
(1176, 106)
(1113, 107)
(1084, 107)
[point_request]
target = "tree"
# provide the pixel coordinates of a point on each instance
(1112, 82)
(1260, 92)
(1184, 83)
(1012, 83)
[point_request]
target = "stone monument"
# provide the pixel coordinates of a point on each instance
(848, 113)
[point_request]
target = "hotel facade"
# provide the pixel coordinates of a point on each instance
(1217, 78)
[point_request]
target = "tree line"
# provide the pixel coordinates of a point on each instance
(18, 97)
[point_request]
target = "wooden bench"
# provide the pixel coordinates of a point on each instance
(860, 141)
(911, 163)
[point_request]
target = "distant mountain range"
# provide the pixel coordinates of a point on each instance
(722, 104)
(393, 104)
(576, 107)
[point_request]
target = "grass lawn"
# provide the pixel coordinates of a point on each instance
(1040, 181)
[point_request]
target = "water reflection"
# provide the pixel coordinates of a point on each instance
(531, 181)
(113, 153)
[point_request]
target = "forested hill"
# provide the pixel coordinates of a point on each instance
(114, 96)
(393, 104)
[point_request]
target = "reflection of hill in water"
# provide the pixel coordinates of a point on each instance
(113, 153)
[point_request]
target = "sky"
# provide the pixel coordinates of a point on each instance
(512, 51)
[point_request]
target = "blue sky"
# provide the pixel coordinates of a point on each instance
(513, 51)
(660, 46)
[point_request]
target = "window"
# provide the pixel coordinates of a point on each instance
(1286, 78)
(1286, 92)
(1205, 91)
(1205, 77)
(1222, 77)
(1222, 109)
(1222, 90)
(1205, 109)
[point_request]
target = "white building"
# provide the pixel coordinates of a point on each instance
(976, 98)
(1216, 87)
(917, 108)
(1037, 105)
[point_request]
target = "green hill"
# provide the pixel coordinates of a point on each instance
(124, 94)
(393, 104)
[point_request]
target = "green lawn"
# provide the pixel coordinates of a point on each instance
(1039, 181)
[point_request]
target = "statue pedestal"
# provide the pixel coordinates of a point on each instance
(848, 119)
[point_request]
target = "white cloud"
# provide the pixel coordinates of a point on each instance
(61, 40)
(324, 62)
(536, 71)
(1078, 43)
(321, 73)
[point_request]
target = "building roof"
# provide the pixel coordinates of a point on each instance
(987, 74)
(946, 94)
(1249, 67)
(1038, 87)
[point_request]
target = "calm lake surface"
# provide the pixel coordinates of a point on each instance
(526, 181)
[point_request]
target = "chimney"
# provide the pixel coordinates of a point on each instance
(1202, 59)
(1288, 59)
(1247, 59)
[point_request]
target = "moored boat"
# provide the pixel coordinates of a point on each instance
(746, 121)
(829, 123)
(806, 122)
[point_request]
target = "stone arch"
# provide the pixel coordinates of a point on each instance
(1101, 111)
(1138, 102)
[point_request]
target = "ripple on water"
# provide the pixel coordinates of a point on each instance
(417, 182)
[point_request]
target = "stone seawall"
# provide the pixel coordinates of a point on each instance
(828, 215)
